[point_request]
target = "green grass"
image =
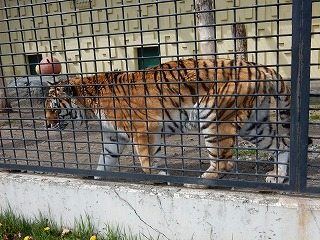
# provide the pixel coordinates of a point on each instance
(250, 153)
(6, 123)
(13, 226)
(314, 117)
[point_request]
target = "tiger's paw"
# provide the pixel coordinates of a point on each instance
(98, 178)
(275, 179)
(164, 173)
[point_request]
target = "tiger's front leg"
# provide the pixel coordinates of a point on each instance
(279, 172)
(220, 148)
(113, 146)
(149, 150)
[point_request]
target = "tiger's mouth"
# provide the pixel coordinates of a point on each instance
(57, 126)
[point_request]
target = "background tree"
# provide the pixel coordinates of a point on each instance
(206, 27)
(240, 35)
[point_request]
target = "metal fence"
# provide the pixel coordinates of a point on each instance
(96, 37)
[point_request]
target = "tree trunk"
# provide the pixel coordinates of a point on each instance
(5, 105)
(239, 33)
(206, 28)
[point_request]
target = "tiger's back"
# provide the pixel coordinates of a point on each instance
(175, 88)
(217, 95)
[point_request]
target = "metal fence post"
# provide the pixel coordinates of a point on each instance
(300, 87)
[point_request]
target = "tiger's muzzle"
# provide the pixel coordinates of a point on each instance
(53, 122)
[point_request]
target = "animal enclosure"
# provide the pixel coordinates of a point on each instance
(135, 44)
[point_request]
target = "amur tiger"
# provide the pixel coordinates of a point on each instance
(224, 98)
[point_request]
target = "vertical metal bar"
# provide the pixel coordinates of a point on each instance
(300, 87)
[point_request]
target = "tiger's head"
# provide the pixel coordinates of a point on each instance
(60, 107)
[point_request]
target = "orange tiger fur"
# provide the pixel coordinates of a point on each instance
(217, 95)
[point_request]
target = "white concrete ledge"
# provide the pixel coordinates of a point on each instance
(167, 212)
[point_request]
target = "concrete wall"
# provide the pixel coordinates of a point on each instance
(167, 212)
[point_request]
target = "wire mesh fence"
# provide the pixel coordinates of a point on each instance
(135, 88)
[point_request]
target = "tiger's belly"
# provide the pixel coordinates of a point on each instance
(175, 121)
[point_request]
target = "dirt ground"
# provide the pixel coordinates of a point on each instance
(24, 140)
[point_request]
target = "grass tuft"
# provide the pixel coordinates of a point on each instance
(314, 117)
(14, 226)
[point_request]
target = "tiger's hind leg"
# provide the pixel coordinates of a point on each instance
(259, 131)
(113, 146)
(220, 148)
(148, 147)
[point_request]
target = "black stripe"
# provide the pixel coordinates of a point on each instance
(231, 63)
(271, 142)
(158, 150)
(112, 154)
(190, 88)
(212, 140)
(168, 83)
(183, 67)
(239, 69)
(212, 154)
(223, 70)
(208, 114)
(172, 129)
(205, 66)
(206, 125)
(171, 71)
(249, 73)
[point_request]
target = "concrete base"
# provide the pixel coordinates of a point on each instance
(162, 211)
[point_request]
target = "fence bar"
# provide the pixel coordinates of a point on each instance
(101, 37)
(300, 87)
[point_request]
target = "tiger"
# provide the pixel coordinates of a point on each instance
(222, 98)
